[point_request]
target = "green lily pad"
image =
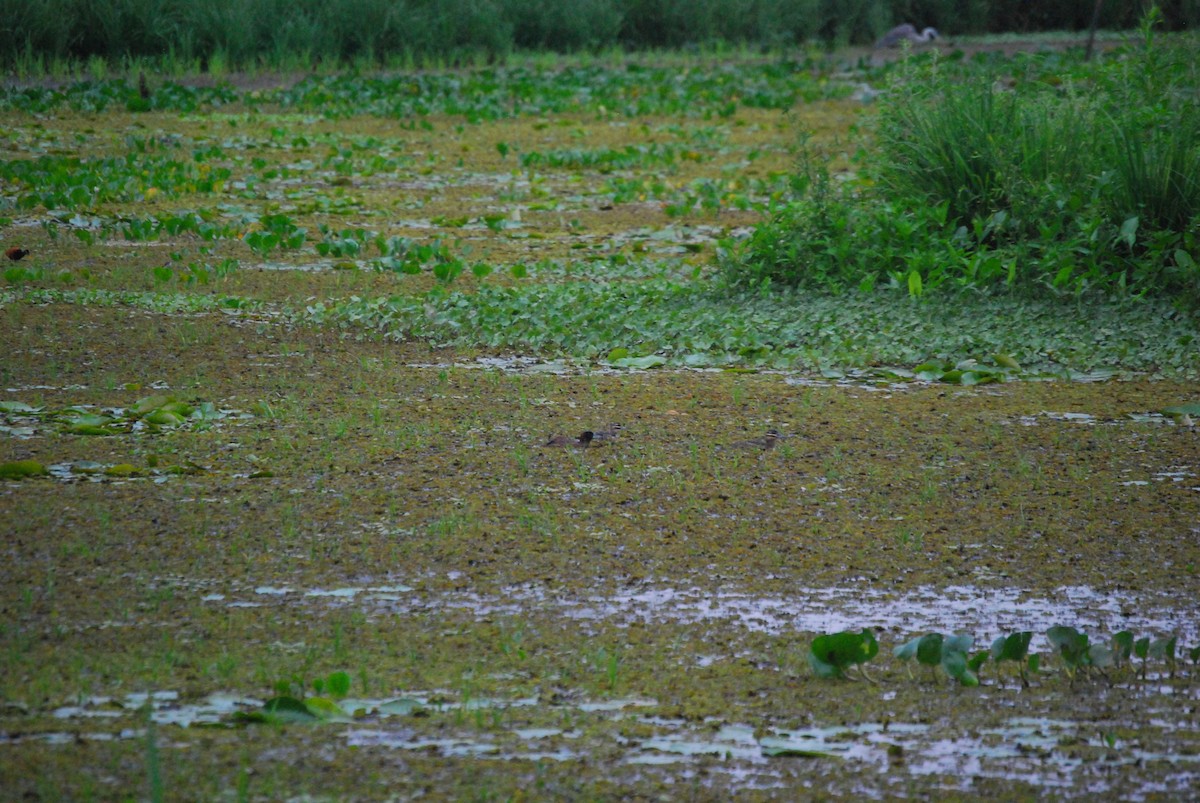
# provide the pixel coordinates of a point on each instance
(163, 418)
(402, 706)
(17, 407)
(89, 429)
(143, 406)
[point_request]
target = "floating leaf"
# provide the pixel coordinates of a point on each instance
(326, 709)
(400, 707)
(163, 418)
(649, 361)
(17, 407)
(794, 752)
(288, 709)
(145, 405)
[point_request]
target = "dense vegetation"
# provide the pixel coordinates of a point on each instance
(1049, 177)
(243, 33)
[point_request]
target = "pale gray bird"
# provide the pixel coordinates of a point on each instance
(906, 33)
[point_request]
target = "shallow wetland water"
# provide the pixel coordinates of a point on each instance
(627, 621)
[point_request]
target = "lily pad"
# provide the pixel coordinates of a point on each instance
(649, 361)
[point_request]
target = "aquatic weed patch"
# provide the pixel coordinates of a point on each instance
(693, 325)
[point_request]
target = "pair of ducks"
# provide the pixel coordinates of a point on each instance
(588, 437)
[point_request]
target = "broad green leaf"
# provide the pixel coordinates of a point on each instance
(1182, 409)
(17, 407)
(145, 405)
(1071, 644)
(1122, 645)
(1011, 648)
(163, 418)
(1163, 648)
(831, 654)
(1006, 361)
(1099, 656)
(288, 709)
(915, 288)
(401, 706)
(908, 650)
(325, 709)
(954, 662)
(929, 649)
(929, 372)
(977, 660)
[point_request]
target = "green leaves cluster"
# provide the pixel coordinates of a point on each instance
(948, 652)
(831, 655)
(983, 179)
(151, 413)
(696, 325)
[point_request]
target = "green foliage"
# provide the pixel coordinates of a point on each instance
(153, 414)
(697, 325)
(986, 179)
(1076, 651)
(948, 652)
(831, 655)
(219, 34)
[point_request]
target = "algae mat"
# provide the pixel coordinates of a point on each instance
(211, 501)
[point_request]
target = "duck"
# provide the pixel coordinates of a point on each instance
(582, 442)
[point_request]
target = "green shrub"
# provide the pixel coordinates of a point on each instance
(1043, 181)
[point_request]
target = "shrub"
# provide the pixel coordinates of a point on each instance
(978, 178)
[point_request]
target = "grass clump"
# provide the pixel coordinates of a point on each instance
(1038, 182)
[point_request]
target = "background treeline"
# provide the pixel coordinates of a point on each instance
(245, 33)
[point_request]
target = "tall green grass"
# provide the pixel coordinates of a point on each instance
(38, 35)
(1084, 177)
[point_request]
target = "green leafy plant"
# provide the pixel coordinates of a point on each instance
(1015, 648)
(948, 652)
(1077, 652)
(290, 704)
(831, 655)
